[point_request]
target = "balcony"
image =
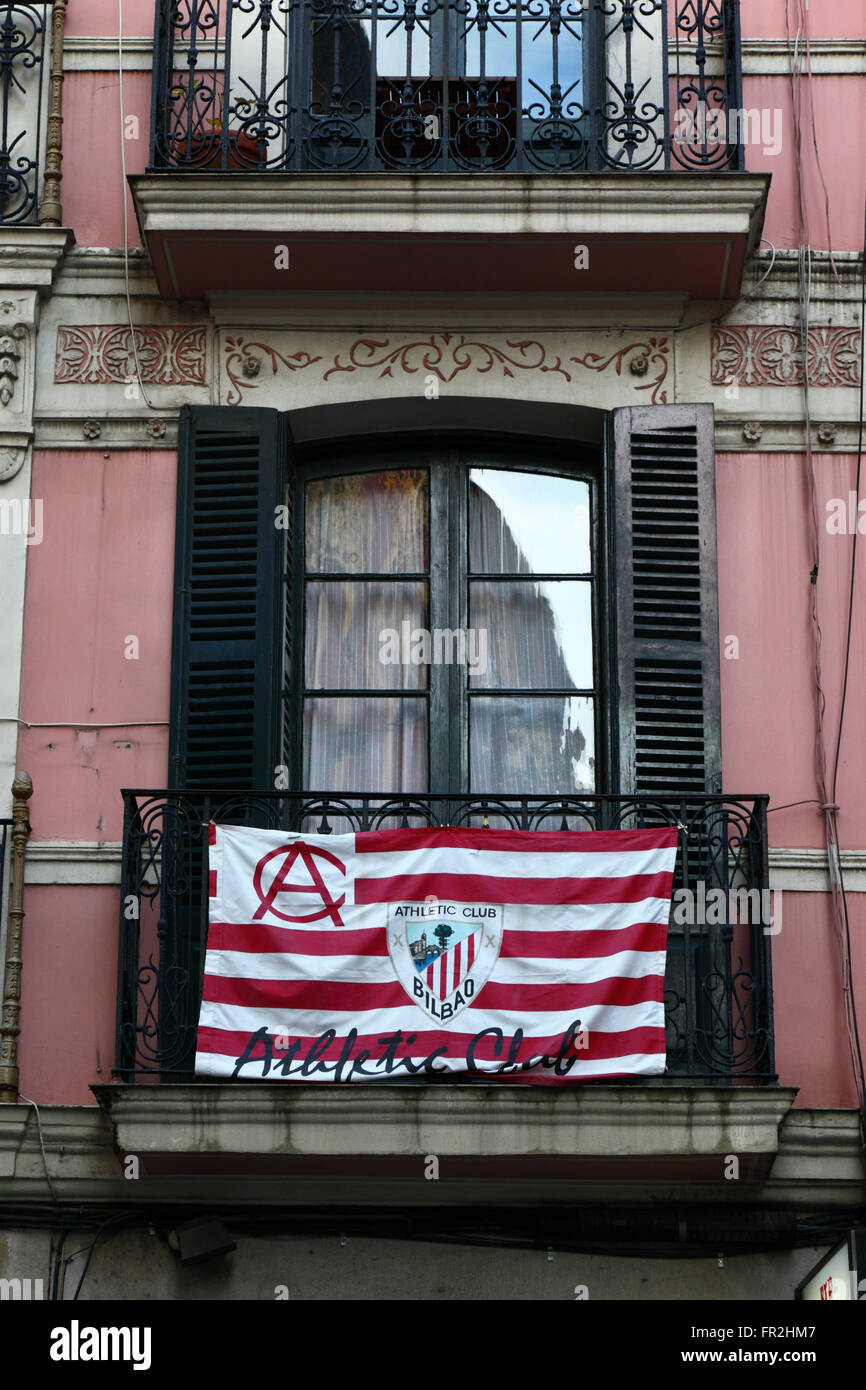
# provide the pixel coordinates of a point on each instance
(24, 48)
(347, 129)
(718, 989)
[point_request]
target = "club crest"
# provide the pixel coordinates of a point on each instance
(443, 953)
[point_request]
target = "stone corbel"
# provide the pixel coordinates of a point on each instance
(13, 454)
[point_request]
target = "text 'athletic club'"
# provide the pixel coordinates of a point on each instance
(538, 956)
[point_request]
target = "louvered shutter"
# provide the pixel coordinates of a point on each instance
(664, 528)
(227, 651)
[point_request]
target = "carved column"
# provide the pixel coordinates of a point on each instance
(22, 790)
(50, 211)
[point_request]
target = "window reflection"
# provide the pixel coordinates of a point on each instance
(528, 523)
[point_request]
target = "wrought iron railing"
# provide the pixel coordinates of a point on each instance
(526, 86)
(718, 988)
(24, 49)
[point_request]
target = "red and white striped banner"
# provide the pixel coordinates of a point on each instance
(387, 954)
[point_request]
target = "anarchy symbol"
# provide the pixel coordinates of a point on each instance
(308, 855)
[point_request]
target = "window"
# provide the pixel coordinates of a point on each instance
(589, 565)
(449, 618)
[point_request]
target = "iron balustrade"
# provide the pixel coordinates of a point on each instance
(718, 987)
(526, 86)
(24, 48)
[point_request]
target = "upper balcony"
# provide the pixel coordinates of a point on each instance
(343, 128)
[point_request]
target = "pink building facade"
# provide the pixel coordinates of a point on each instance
(247, 256)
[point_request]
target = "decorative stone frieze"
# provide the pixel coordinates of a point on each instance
(102, 354)
(408, 361)
(772, 355)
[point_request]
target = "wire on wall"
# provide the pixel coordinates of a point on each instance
(801, 87)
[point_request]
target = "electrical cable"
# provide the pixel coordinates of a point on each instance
(51, 1189)
(723, 313)
(112, 1220)
(58, 1265)
(829, 807)
(86, 724)
(856, 508)
(809, 801)
(848, 983)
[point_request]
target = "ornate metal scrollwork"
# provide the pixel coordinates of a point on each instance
(547, 86)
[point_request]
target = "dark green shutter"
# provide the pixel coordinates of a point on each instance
(664, 528)
(229, 564)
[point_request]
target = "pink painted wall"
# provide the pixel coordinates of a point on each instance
(92, 182)
(93, 189)
(825, 18)
(68, 989)
(838, 106)
(103, 572)
(768, 730)
(768, 700)
(811, 1040)
(100, 17)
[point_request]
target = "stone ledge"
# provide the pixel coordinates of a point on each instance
(66, 431)
(613, 1121)
(453, 203)
(77, 1139)
(784, 436)
(67, 862)
(818, 1165)
(30, 256)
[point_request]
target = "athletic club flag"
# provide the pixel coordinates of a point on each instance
(390, 954)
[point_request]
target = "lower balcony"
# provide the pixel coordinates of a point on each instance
(718, 985)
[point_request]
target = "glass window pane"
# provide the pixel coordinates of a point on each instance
(532, 744)
(532, 636)
(358, 636)
(528, 523)
(365, 745)
(373, 523)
